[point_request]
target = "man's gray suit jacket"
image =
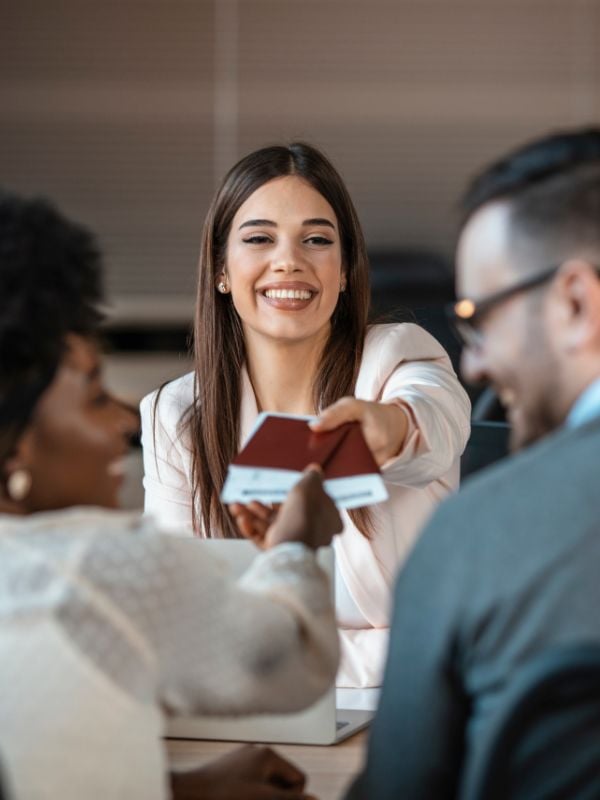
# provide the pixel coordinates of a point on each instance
(506, 568)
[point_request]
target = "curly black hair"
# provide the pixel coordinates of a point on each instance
(50, 286)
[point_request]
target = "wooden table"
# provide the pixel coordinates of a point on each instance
(329, 769)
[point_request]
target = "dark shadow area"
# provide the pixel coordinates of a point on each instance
(414, 285)
(487, 444)
(148, 337)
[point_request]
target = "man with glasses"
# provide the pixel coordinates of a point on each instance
(508, 568)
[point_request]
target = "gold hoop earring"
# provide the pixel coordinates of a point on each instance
(18, 485)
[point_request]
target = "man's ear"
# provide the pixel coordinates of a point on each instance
(578, 309)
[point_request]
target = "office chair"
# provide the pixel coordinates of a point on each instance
(546, 742)
(487, 407)
(487, 443)
(489, 437)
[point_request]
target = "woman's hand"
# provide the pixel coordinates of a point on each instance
(383, 425)
(253, 520)
(308, 516)
(248, 773)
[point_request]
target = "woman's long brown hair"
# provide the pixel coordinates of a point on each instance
(213, 419)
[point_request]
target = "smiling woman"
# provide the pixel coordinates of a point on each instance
(75, 444)
(281, 325)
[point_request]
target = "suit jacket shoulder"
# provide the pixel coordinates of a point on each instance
(560, 466)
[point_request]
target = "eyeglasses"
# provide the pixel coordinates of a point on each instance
(465, 315)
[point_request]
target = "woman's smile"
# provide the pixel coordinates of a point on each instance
(288, 295)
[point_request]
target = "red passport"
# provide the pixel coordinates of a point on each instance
(282, 446)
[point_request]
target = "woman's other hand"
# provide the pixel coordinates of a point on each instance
(383, 425)
(308, 516)
(253, 520)
(248, 773)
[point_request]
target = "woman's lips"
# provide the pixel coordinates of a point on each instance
(289, 298)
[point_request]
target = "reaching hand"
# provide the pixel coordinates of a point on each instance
(383, 425)
(308, 515)
(248, 773)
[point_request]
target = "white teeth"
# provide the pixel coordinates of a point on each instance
(117, 467)
(288, 294)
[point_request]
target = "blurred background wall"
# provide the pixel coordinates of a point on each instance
(127, 112)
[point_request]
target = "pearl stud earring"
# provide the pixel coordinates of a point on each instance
(18, 485)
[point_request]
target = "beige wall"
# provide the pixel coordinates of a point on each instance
(125, 111)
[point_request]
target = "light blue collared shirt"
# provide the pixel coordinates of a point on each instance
(586, 407)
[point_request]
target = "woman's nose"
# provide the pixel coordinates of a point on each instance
(286, 258)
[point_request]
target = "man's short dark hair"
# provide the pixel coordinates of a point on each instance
(50, 286)
(532, 164)
(552, 187)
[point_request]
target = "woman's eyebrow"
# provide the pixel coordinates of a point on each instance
(250, 223)
(319, 221)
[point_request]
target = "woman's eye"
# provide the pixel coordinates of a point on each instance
(257, 238)
(318, 240)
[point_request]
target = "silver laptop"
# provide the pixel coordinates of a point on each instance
(321, 723)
